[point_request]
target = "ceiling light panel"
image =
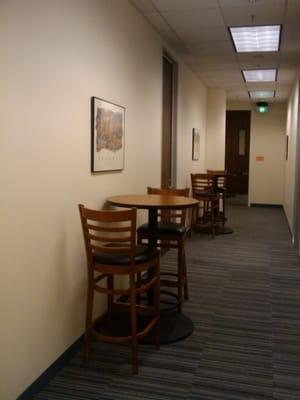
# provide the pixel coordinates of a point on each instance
(262, 94)
(260, 75)
(256, 38)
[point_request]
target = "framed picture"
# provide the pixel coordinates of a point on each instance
(108, 135)
(196, 144)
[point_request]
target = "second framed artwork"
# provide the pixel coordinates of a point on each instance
(196, 144)
(108, 135)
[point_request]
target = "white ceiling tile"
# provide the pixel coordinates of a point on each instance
(283, 91)
(143, 5)
(205, 78)
(167, 5)
(157, 21)
(214, 59)
(253, 5)
(212, 47)
(203, 34)
(257, 59)
(271, 14)
(220, 67)
(290, 60)
(234, 76)
(293, 11)
(292, 45)
(286, 76)
(191, 20)
(289, 30)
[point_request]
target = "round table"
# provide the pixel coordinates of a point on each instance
(174, 325)
(153, 203)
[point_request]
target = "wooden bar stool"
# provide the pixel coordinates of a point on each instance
(205, 217)
(171, 233)
(220, 187)
(111, 250)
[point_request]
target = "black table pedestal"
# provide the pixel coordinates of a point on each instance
(174, 326)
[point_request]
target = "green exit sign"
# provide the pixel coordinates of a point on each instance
(262, 107)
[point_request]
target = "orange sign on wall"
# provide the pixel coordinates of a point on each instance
(260, 158)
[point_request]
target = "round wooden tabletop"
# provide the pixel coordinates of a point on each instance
(146, 201)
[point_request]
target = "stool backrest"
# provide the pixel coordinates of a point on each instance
(221, 176)
(178, 215)
(110, 232)
(202, 184)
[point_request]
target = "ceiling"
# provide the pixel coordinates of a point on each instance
(198, 31)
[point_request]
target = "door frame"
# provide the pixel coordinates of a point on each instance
(173, 177)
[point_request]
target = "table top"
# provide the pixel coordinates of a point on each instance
(218, 174)
(146, 201)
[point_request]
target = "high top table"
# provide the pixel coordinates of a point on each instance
(174, 324)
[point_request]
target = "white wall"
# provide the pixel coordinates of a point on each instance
(292, 127)
(215, 132)
(267, 139)
(55, 55)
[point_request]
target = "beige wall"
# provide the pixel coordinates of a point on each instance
(215, 132)
(292, 127)
(55, 55)
(267, 139)
(191, 114)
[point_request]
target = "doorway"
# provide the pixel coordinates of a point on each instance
(168, 164)
(237, 154)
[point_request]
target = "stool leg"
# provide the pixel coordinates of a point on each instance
(133, 316)
(212, 203)
(180, 273)
(89, 320)
(110, 300)
(185, 279)
(157, 305)
(223, 206)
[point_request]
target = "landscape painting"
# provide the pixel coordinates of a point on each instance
(196, 144)
(108, 135)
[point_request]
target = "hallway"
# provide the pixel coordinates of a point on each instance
(244, 301)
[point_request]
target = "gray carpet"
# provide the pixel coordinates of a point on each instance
(245, 303)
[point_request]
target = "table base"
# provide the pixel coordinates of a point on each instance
(223, 230)
(174, 326)
(219, 230)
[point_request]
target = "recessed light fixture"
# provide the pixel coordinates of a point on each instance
(256, 38)
(260, 75)
(261, 94)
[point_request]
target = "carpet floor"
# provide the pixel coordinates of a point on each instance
(245, 304)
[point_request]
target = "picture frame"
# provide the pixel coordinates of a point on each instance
(107, 135)
(196, 144)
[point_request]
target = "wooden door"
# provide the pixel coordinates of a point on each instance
(166, 172)
(237, 151)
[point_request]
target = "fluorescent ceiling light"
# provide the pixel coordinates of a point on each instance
(262, 94)
(256, 38)
(259, 75)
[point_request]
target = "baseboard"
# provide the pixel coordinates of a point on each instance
(51, 371)
(266, 205)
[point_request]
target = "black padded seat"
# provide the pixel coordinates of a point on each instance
(221, 189)
(143, 254)
(202, 193)
(168, 228)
